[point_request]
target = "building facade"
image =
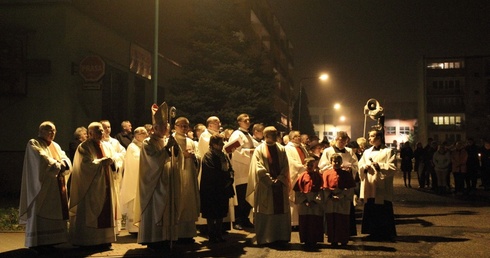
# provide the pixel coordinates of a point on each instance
(457, 97)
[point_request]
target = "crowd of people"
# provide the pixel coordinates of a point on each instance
(167, 181)
(435, 163)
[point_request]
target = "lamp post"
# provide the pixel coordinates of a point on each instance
(322, 77)
(324, 123)
(155, 52)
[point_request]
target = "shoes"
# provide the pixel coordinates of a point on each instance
(237, 227)
(247, 224)
(97, 248)
(218, 239)
(378, 238)
(186, 240)
(44, 250)
(159, 246)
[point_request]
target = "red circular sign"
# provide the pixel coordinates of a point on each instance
(92, 68)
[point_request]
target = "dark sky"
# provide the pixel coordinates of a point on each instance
(374, 48)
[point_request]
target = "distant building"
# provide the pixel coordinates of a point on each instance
(457, 97)
(401, 123)
(399, 131)
(328, 121)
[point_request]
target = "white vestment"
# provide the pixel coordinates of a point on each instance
(296, 167)
(157, 192)
(378, 185)
(118, 153)
(89, 195)
(40, 205)
(189, 202)
(269, 225)
(349, 159)
(129, 183)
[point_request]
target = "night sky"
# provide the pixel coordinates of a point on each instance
(374, 48)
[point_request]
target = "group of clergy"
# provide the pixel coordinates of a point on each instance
(278, 186)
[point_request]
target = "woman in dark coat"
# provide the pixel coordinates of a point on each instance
(216, 187)
(406, 155)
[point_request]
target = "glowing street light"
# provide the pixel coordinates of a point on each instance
(322, 77)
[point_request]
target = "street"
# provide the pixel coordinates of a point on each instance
(428, 225)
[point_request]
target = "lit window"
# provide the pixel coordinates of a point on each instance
(446, 120)
(404, 130)
(451, 120)
(390, 130)
(446, 65)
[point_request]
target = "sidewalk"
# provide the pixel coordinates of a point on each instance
(12, 244)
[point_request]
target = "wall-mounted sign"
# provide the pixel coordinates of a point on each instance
(92, 68)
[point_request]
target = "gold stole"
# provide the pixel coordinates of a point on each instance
(61, 183)
(104, 218)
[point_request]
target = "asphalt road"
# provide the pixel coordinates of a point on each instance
(428, 225)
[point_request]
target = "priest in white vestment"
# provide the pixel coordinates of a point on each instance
(297, 154)
(188, 165)
(118, 156)
(130, 180)
(268, 191)
(93, 193)
(43, 199)
(157, 192)
(240, 161)
(377, 170)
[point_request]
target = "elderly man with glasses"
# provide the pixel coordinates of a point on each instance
(187, 165)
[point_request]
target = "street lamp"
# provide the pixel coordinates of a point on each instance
(155, 52)
(322, 77)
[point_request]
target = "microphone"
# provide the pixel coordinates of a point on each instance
(172, 112)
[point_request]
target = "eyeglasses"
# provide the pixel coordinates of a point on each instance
(49, 130)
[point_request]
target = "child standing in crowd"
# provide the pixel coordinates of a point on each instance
(309, 197)
(338, 185)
